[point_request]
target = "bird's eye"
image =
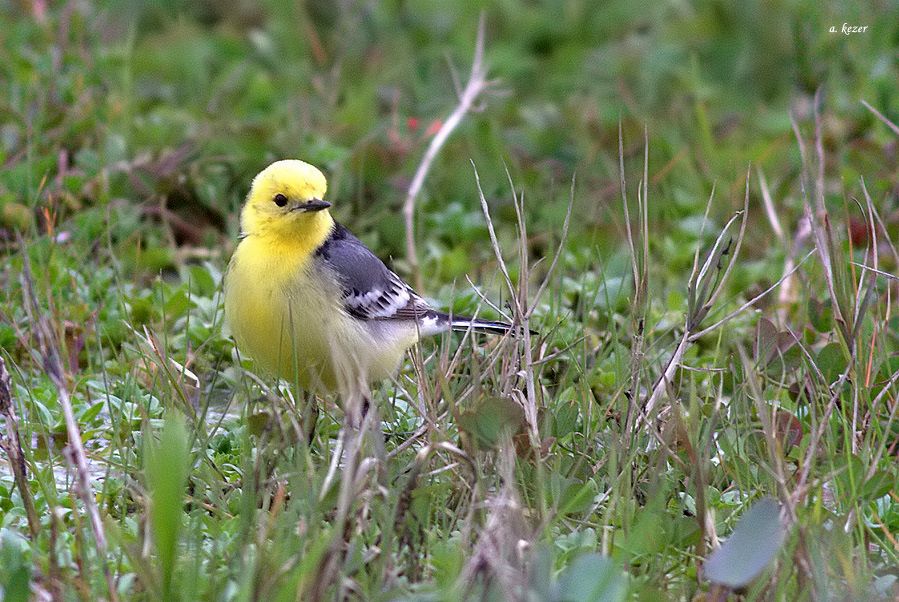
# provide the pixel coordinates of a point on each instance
(280, 200)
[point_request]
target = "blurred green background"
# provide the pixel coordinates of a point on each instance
(129, 134)
(123, 113)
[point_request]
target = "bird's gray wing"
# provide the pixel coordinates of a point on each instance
(371, 291)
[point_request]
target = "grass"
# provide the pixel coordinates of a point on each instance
(707, 154)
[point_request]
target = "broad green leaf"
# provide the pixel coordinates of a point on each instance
(592, 577)
(491, 419)
(15, 567)
(821, 315)
(177, 304)
(577, 497)
(565, 419)
(754, 543)
(831, 361)
(167, 463)
(92, 412)
(765, 340)
(201, 281)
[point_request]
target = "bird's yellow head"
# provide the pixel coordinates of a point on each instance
(286, 202)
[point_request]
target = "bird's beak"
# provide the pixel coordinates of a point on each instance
(312, 205)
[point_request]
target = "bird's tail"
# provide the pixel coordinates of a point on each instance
(477, 325)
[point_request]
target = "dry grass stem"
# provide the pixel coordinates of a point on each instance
(882, 117)
(477, 84)
(48, 353)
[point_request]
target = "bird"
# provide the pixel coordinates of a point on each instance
(309, 302)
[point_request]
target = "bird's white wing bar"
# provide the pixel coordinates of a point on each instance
(379, 302)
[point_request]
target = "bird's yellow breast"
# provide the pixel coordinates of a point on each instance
(284, 310)
(280, 311)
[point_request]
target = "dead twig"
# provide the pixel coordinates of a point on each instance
(787, 295)
(770, 211)
(819, 222)
(477, 84)
(875, 270)
(882, 117)
(752, 301)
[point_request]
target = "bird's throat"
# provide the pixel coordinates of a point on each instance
(301, 236)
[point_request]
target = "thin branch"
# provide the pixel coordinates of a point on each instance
(875, 270)
(486, 301)
(817, 217)
(528, 402)
(640, 268)
(701, 302)
(787, 294)
(477, 84)
(881, 116)
(739, 244)
(627, 214)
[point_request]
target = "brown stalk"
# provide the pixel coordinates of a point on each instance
(355, 472)
(529, 401)
(12, 445)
